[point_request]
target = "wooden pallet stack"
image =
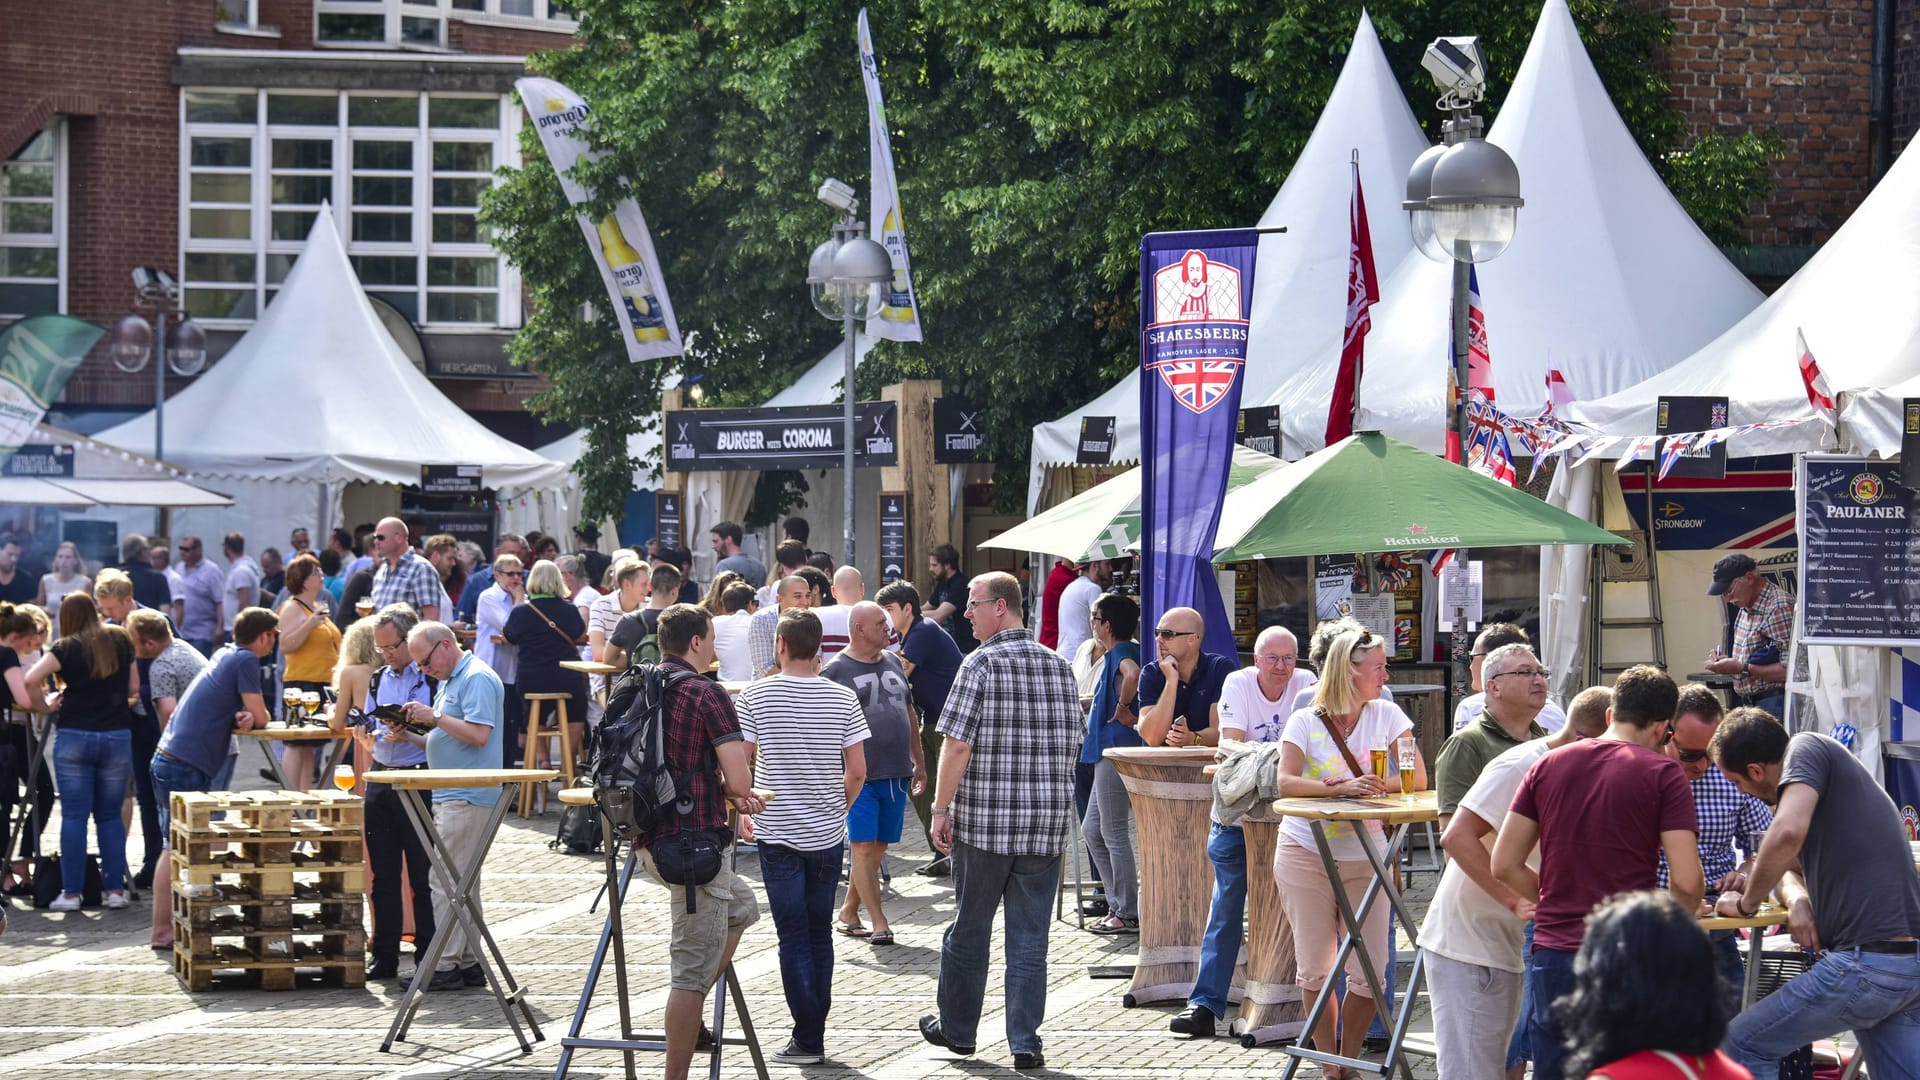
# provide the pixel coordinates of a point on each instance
(275, 889)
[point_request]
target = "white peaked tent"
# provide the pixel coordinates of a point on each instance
(1300, 279)
(317, 396)
(1607, 278)
(1855, 300)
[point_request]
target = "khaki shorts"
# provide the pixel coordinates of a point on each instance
(724, 905)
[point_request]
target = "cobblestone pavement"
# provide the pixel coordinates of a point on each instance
(82, 997)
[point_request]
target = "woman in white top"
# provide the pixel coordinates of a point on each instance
(1347, 715)
(69, 576)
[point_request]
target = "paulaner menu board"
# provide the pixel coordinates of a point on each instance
(1859, 553)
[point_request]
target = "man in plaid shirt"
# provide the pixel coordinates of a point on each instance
(1003, 812)
(1728, 818)
(1765, 619)
(402, 577)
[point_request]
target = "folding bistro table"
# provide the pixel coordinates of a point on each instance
(459, 883)
(1398, 813)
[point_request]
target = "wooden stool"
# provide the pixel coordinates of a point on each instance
(535, 733)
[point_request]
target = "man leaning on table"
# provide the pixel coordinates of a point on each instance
(468, 721)
(1185, 717)
(1855, 902)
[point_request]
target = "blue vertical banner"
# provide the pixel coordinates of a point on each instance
(1195, 291)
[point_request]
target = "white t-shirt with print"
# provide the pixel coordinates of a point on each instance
(1244, 708)
(1463, 922)
(1381, 722)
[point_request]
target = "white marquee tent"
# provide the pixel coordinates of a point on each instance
(1300, 279)
(1607, 278)
(315, 397)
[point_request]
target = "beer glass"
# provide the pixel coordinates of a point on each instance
(343, 777)
(1407, 761)
(1380, 762)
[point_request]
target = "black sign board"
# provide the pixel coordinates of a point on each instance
(474, 525)
(956, 430)
(49, 461)
(1859, 553)
(1910, 443)
(450, 479)
(800, 437)
(893, 536)
(1096, 441)
(666, 518)
(1684, 414)
(1260, 429)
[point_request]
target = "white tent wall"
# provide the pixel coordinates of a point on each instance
(825, 512)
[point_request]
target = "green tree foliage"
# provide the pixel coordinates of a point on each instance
(1035, 141)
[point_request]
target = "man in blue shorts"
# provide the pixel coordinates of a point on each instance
(895, 765)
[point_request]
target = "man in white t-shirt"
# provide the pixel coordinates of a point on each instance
(1254, 705)
(806, 735)
(1475, 933)
(1492, 636)
(730, 632)
(243, 580)
(1076, 604)
(848, 589)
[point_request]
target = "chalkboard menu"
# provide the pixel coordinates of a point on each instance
(1096, 441)
(666, 516)
(1859, 553)
(893, 536)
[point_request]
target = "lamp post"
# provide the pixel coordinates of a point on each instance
(843, 272)
(135, 342)
(1463, 199)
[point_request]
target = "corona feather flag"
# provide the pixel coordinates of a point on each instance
(893, 312)
(37, 356)
(622, 246)
(1195, 289)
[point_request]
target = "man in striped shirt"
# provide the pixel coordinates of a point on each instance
(806, 734)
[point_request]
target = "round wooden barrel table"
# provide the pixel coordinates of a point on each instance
(1172, 798)
(1272, 1008)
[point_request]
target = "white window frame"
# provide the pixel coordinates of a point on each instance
(543, 17)
(502, 137)
(57, 128)
(250, 19)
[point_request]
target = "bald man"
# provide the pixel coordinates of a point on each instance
(848, 589)
(1189, 715)
(400, 575)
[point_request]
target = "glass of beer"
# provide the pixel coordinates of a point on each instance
(364, 606)
(1407, 762)
(343, 777)
(1380, 762)
(291, 698)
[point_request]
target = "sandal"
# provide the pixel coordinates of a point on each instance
(850, 929)
(1114, 924)
(880, 937)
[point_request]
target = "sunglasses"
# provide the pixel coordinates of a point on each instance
(1165, 634)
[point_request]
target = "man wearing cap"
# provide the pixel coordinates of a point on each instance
(1762, 634)
(586, 537)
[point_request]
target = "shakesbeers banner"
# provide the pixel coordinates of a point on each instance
(1195, 289)
(621, 245)
(894, 311)
(37, 356)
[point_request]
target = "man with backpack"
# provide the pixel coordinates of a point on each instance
(391, 837)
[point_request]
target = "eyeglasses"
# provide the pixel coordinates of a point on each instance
(1525, 673)
(1164, 634)
(511, 573)
(971, 604)
(1270, 660)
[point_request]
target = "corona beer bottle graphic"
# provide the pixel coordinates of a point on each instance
(643, 308)
(899, 303)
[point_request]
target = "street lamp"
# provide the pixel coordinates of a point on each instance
(134, 340)
(1463, 202)
(843, 272)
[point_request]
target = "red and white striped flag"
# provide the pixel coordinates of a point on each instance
(1479, 357)
(1363, 291)
(1818, 395)
(1558, 396)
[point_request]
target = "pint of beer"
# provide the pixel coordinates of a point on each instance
(1380, 762)
(1407, 760)
(364, 606)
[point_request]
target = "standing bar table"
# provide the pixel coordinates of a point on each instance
(1769, 914)
(1172, 798)
(267, 736)
(459, 883)
(1271, 1009)
(1398, 813)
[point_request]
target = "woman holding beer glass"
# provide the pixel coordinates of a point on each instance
(1327, 752)
(351, 675)
(311, 644)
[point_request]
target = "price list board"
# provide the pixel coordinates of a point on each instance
(1859, 553)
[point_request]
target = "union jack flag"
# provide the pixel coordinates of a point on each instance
(1199, 384)
(1670, 452)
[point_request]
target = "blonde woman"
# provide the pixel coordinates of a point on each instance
(351, 674)
(712, 601)
(69, 576)
(1324, 752)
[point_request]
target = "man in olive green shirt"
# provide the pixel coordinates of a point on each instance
(1516, 692)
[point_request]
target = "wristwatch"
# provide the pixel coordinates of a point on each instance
(942, 811)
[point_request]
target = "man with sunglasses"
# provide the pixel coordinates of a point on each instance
(401, 575)
(1188, 715)
(202, 590)
(1516, 685)
(1727, 816)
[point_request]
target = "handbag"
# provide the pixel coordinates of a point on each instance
(47, 886)
(690, 858)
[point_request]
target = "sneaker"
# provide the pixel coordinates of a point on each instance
(1029, 1062)
(794, 1054)
(65, 902)
(384, 969)
(115, 899)
(440, 980)
(934, 1032)
(473, 975)
(940, 867)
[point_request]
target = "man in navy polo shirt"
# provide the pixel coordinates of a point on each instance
(1188, 716)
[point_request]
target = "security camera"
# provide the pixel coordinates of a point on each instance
(1458, 65)
(837, 195)
(148, 281)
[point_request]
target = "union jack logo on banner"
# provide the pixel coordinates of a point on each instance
(1199, 384)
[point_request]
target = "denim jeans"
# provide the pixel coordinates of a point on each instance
(801, 887)
(982, 882)
(1733, 967)
(167, 775)
(1552, 973)
(152, 837)
(1226, 919)
(1874, 995)
(91, 770)
(1520, 1047)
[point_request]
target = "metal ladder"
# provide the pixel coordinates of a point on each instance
(1616, 565)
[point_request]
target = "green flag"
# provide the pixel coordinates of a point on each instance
(37, 356)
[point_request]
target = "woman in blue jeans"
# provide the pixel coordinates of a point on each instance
(92, 744)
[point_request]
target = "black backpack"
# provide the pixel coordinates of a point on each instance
(627, 762)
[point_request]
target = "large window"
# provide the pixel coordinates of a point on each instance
(403, 171)
(32, 224)
(422, 23)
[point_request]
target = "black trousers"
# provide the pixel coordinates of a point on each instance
(391, 837)
(36, 806)
(146, 737)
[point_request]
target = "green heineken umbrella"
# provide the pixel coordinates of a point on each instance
(1368, 492)
(1103, 522)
